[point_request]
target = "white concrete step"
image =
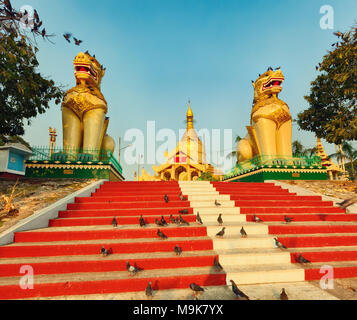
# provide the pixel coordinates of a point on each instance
(228, 218)
(217, 211)
(253, 258)
(235, 242)
(231, 230)
(211, 204)
(211, 198)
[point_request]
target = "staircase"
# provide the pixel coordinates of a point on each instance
(66, 259)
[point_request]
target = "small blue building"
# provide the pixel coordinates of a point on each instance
(12, 160)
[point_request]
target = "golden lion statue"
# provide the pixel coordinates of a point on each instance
(84, 109)
(270, 130)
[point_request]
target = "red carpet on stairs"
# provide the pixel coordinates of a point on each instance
(321, 232)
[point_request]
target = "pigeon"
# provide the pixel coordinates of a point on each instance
(43, 33)
(77, 42)
(239, 294)
(182, 198)
(142, 222)
(185, 211)
(217, 265)
(243, 233)
(183, 221)
(288, 219)
(172, 219)
(301, 259)
(198, 218)
(177, 221)
(161, 235)
(133, 270)
(115, 222)
(221, 233)
(104, 252)
(163, 221)
(67, 36)
(220, 220)
(217, 204)
(338, 34)
(166, 198)
(178, 250)
(158, 222)
(148, 291)
(279, 244)
(197, 290)
(257, 219)
(283, 295)
(347, 203)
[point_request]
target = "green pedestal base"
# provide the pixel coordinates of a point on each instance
(57, 170)
(264, 174)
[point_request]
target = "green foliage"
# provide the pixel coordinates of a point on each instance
(13, 139)
(24, 92)
(207, 176)
(332, 114)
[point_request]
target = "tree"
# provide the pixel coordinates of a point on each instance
(348, 152)
(24, 92)
(332, 112)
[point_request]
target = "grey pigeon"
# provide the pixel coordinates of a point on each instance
(133, 270)
(163, 221)
(142, 222)
(172, 219)
(197, 290)
(182, 198)
(183, 221)
(178, 250)
(283, 295)
(115, 222)
(239, 294)
(166, 198)
(158, 222)
(148, 291)
(221, 233)
(220, 220)
(184, 211)
(217, 204)
(301, 259)
(198, 218)
(243, 233)
(104, 252)
(257, 219)
(217, 265)
(347, 203)
(279, 244)
(161, 235)
(288, 219)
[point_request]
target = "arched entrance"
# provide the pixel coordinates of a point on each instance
(167, 176)
(178, 172)
(194, 175)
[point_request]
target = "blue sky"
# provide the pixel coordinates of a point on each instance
(160, 53)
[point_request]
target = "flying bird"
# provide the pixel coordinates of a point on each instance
(221, 233)
(77, 42)
(148, 291)
(257, 219)
(301, 259)
(36, 16)
(220, 220)
(197, 290)
(288, 219)
(239, 294)
(161, 235)
(283, 295)
(142, 222)
(133, 270)
(279, 244)
(243, 233)
(115, 222)
(198, 218)
(217, 204)
(166, 198)
(217, 265)
(43, 33)
(178, 250)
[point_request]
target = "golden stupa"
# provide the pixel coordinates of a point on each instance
(186, 162)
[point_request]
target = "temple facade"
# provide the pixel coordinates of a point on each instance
(187, 162)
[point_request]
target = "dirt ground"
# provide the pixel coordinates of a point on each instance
(33, 195)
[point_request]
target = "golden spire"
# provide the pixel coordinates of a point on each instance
(189, 116)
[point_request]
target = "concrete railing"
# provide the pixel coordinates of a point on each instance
(41, 218)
